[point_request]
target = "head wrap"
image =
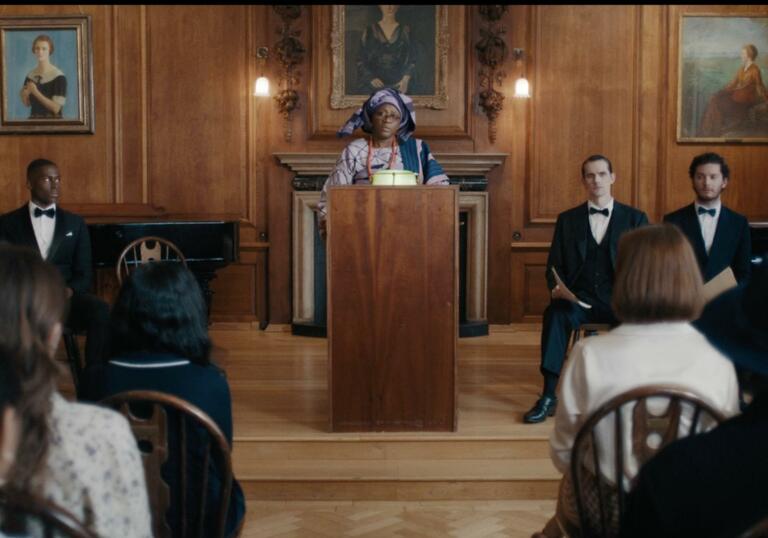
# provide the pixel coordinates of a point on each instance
(362, 117)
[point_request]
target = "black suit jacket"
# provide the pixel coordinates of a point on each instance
(70, 249)
(569, 244)
(730, 247)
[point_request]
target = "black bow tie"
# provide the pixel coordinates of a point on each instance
(604, 211)
(48, 212)
(712, 212)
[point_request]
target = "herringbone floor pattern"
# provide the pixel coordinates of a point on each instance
(453, 519)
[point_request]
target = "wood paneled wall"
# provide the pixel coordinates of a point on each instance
(178, 133)
(605, 80)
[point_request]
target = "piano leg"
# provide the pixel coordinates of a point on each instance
(203, 279)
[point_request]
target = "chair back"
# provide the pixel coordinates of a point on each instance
(146, 250)
(180, 445)
(22, 514)
(652, 426)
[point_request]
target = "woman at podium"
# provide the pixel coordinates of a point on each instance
(388, 119)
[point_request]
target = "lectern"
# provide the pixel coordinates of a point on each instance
(392, 308)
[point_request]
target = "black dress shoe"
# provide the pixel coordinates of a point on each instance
(545, 407)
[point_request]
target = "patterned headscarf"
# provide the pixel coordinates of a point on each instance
(362, 117)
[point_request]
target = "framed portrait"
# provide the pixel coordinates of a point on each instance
(723, 63)
(47, 75)
(399, 46)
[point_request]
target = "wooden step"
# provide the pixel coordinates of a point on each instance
(369, 467)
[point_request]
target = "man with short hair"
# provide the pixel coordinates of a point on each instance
(583, 253)
(720, 237)
(62, 239)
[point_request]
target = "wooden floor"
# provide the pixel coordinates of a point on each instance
(463, 519)
(493, 477)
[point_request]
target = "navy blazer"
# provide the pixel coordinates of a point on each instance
(730, 247)
(569, 244)
(70, 249)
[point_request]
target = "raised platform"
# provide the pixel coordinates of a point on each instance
(283, 449)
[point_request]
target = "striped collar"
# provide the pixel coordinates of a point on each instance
(152, 364)
(154, 360)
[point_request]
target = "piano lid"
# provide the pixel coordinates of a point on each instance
(202, 242)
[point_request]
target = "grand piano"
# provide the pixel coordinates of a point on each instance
(207, 246)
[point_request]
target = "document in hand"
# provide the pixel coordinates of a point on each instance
(724, 281)
(567, 292)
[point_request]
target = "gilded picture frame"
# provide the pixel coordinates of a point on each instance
(367, 53)
(722, 65)
(46, 82)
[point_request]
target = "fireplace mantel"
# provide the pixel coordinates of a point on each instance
(454, 164)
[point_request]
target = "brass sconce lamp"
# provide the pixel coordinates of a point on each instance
(522, 87)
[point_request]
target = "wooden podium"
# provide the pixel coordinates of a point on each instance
(392, 308)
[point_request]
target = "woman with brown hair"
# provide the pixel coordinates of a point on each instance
(657, 292)
(45, 86)
(81, 457)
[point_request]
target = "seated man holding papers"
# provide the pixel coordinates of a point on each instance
(719, 236)
(580, 272)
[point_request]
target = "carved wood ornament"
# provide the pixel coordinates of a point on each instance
(290, 53)
(491, 52)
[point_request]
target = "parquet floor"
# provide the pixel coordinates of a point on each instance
(459, 519)
(280, 409)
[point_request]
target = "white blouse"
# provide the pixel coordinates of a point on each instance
(630, 356)
(94, 470)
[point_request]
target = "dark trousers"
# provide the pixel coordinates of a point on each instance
(560, 319)
(89, 314)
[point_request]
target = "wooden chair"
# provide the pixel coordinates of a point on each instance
(146, 250)
(600, 502)
(588, 329)
(172, 431)
(74, 358)
(22, 513)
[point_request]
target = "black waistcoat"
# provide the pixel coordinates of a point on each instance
(595, 281)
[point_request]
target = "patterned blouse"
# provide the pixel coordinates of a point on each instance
(352, 167)
(94, 470)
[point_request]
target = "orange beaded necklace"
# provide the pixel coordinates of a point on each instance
(370, 156)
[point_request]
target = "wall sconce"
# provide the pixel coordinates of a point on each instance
(261, 87)
(522, 88)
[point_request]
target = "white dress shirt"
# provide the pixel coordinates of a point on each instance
(43, 227)
(598, 222)
(708, 223)
(630, 356)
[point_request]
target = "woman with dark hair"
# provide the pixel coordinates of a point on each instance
(81, 457)
(389, 119)
(387, 53)
(159, 338)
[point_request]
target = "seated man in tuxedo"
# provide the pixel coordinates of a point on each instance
(62, 239)
(719, 236)
(583, 253)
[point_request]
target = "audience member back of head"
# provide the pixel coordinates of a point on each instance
(81, 457)
(160, 342)
(713, 485)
